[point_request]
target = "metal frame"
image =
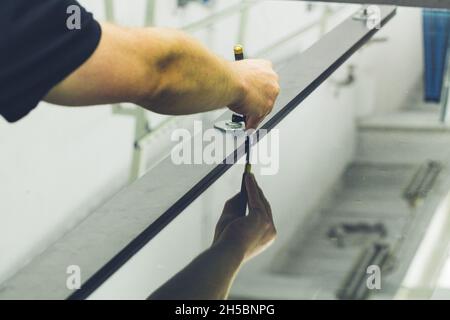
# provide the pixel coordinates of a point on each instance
(438, 4)
(142, 125)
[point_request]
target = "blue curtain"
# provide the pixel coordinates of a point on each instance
(436, 25)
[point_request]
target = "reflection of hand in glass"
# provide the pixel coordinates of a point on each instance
(238, 238)
(248, 235)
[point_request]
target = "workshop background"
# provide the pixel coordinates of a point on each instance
(59, 164)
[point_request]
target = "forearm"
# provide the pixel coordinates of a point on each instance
(163, 70)
(208, 277)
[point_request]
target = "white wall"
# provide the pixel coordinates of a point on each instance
(388, 71)
(58, 164)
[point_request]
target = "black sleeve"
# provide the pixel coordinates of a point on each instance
(38, 50)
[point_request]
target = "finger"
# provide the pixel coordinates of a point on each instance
(263, 198)
(254, 199)
(235, 207)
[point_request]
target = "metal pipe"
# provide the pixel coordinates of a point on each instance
(150, 13)
(440, 4)
(109, 10)
(243, 22)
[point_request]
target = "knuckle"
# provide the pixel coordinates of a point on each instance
(275, 86)
(274, 231)
(271, 233)
(228, 205)
(265, 221)
(269, 228)
(263, 111)
(277, 89)
(273, 236)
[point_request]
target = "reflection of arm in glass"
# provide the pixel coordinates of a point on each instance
(238, 238)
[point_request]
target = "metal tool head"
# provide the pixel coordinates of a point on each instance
(238, 52)
(228, 126)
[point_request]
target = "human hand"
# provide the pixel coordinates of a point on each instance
(260, 90)
(247, 235)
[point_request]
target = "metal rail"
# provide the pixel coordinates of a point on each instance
(439, 4)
